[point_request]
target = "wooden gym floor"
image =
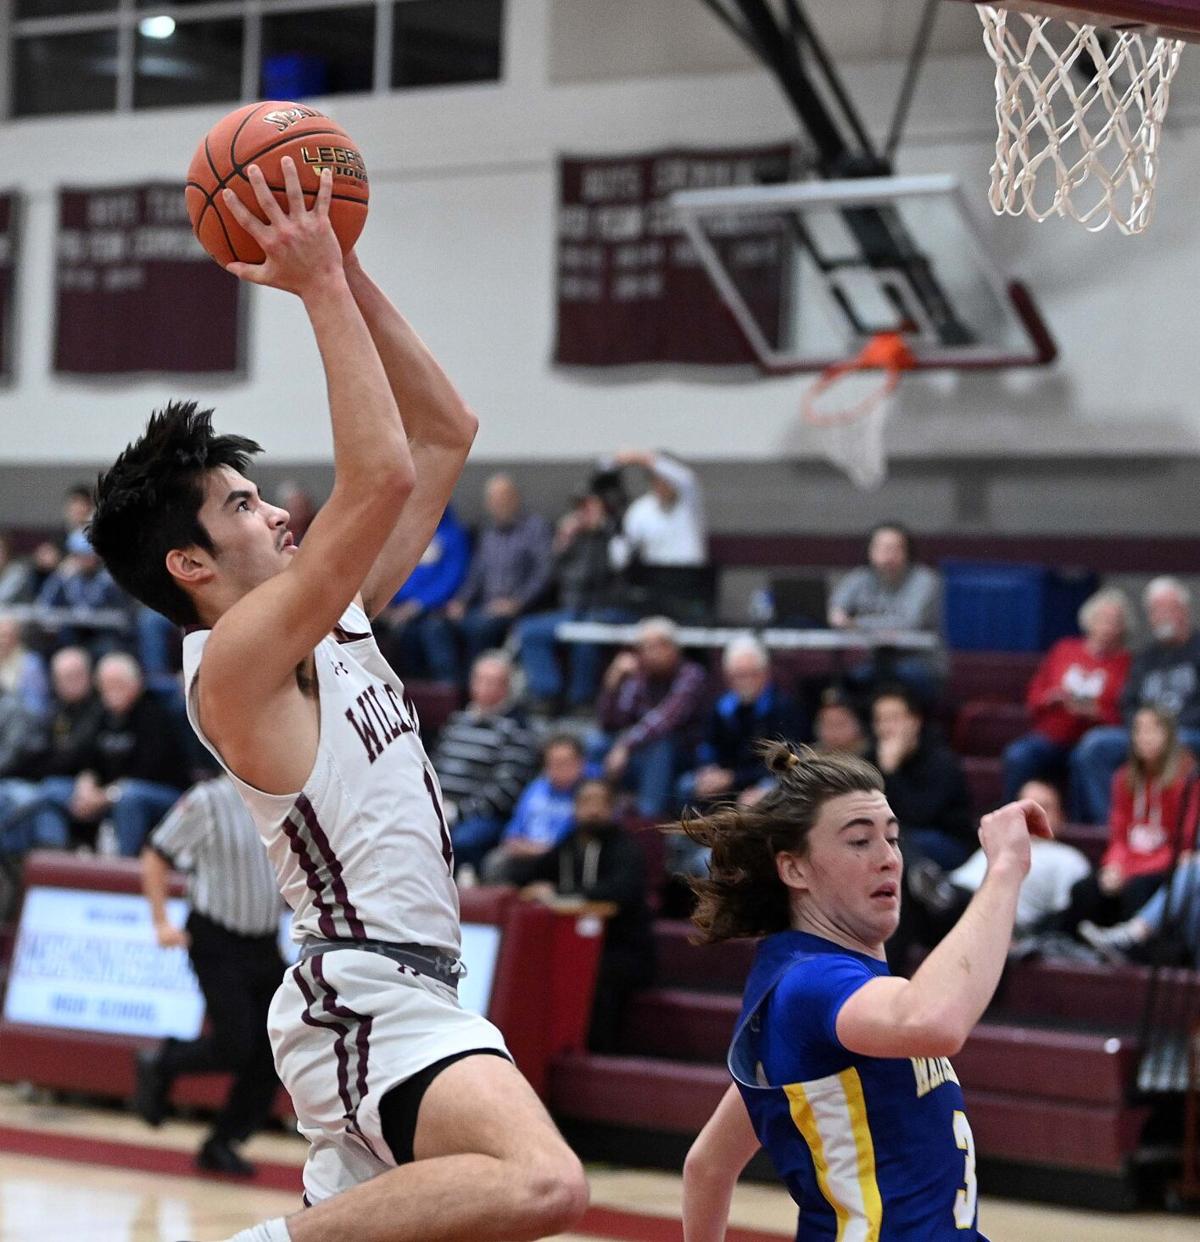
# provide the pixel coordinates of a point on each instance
(70, 1172)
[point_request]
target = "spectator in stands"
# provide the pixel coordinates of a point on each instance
(81, 581)
(16, 578)
(600, 862)
(77, 509)
(1165, 674)
(484, 758)
(1055, 868)
(663, 541)
(544, 814)
(1153, 819)
(650, 710)
(19, 732)
(1077, 685)
(584, 579)
(55, 754)
(509, 574)
(159, 652)
(432, 584)
(22, 672)
(838, 728)
(300, 505)
(1173, 911)
(135, 768)
(923, 781)
(44, 561)
(891, 592)
(665, 525)
(752, 710)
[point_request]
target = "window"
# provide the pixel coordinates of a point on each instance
(198, 62)
(103, 55)
(66, 73)
(322, 52)
(434, 42)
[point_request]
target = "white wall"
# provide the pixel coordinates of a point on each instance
(462, 231)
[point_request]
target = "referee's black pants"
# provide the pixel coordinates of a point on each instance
(238, 976)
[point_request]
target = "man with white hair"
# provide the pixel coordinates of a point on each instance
(752, 709)
(1166, 675)
(650, 710)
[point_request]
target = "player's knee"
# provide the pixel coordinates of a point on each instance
(557, 1192)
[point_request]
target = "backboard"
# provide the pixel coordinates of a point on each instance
(1171, 19)
(860, 257)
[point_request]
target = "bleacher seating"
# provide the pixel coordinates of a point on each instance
(984, 728)
(985, 779)
(1049, 1075)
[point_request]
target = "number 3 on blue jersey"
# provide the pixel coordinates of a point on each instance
(967, 1194)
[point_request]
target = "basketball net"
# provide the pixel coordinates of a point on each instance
(849, 404)
(1080, 118)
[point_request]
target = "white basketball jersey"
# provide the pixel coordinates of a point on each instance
(363, 850)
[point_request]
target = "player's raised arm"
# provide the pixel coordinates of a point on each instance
(257, 644)
(440, 431)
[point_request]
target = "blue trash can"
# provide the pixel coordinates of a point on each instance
(994, 606)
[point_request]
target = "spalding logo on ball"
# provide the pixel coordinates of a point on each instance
(263, 133)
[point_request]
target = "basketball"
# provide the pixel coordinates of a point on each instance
(263, 133)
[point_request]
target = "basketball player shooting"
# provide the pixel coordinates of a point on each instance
(420, 1126)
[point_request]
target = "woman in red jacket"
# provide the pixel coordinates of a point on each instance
(1153, 819)
(1077, 685)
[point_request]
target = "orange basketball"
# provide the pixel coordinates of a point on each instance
(263, 133)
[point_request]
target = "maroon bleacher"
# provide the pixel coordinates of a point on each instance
(985, 728)
(435, 701)
(1049, 1075)
(990, 676)
(985, 780)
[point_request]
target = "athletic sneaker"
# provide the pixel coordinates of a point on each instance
(1114, 943)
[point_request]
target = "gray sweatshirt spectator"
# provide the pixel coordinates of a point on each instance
(889, 592)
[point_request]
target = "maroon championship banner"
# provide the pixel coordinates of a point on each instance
(9, 217)
(136, 292)
(631, 288)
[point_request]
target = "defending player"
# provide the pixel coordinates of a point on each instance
(840, 1071)
(411, 1105)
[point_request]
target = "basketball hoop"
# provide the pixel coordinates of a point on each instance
(851, 433)
(1067, 146)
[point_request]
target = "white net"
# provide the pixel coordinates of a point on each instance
(849, 431)
(1080, 113)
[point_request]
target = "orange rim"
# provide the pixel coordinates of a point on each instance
(886, 352)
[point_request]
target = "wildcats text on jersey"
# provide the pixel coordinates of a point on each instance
(370, 711)
(931, 1072)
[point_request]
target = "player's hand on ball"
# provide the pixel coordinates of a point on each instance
(1005, 834)
(300, 246)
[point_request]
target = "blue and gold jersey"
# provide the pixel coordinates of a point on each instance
(873, 1149)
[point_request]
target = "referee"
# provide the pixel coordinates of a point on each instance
(231, 938)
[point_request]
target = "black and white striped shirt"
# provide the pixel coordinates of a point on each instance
(209, 835)
(483, 761)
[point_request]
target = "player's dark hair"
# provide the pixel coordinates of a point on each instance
(743, 894)
(148, 503)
